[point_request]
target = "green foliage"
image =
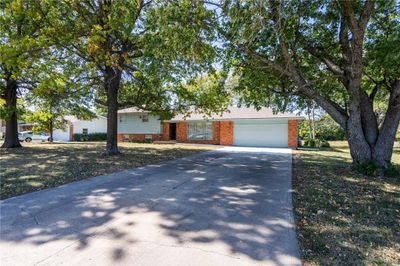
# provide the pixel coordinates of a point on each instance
(392, 170)
(325, 128)
(315, 143)
(206, 93)
(154, 46)
(368, 168)
(141, 141)
(21, 41)
(259, 51)
(7, 111)
(90, 137)
(44, 121)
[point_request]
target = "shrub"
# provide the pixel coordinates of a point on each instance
(90, 137)
(97, 136)
(316, 143)
(142, 141)
(325, 128)
(367, 168)
(392, 171)
(80, 137)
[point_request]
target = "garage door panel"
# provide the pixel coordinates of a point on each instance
(260, 134)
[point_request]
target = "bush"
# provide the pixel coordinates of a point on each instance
(141, 141)
(367, 168)
(325, 128)
(316, 143)
(392, 171)
(90, 137)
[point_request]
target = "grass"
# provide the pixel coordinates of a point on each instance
(43, 165)
(342, 217)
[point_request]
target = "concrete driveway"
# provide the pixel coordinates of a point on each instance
(225, 207)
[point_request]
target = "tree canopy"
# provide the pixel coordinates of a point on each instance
(340, 54)
(162, 56)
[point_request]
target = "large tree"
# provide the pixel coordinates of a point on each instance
(57, 95)
(131, 43)
(343, 55)
(20, 46)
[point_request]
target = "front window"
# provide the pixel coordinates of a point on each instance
(122, 118)
(85, 131)
(200, 131)
(145, 118)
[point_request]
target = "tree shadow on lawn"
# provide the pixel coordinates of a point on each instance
(344, 217)
(210, 203)
(42, 166)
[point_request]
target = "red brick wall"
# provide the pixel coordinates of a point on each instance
(292, 134)
(165, 131)
(138, 137)
(181, 131)
(226, 133)
(222, 133)
(215, 129)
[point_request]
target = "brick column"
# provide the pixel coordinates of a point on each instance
(292, 134)
(226, 133)
(181, 131)
(216, 132)
(165, 131)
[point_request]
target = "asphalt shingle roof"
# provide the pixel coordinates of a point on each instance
(231, 113)
(238, 113)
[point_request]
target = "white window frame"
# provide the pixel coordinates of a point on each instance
(85, 129)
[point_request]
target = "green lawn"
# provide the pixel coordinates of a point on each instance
(43, 165)
(342, 217)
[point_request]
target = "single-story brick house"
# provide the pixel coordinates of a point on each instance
(237, 126)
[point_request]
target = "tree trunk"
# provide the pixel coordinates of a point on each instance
(313, 121)
(11, 137)
(51, 130)
(112, 82)
(383, 150)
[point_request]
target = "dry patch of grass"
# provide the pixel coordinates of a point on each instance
(43, 165)
(342, 217)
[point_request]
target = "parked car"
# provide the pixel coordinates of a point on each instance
(28, 136)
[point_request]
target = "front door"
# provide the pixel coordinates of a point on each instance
(172, 131)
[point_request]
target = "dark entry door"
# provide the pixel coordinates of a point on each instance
(172, 131)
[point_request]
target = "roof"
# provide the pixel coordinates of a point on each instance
(73, 119)
(239, 113)
(131, 110)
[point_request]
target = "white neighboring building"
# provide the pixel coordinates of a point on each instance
(96, 125)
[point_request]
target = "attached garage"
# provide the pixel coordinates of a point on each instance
(239, 126)
(260, 133)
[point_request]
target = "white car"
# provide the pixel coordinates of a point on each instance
(28, 136)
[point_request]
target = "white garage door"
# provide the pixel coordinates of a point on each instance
(61, 135)
(260, 133)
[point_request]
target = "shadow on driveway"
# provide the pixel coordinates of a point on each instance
(230, 206)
